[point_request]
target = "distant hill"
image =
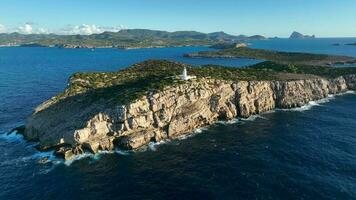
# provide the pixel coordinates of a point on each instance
(129, 38)
(297, 35)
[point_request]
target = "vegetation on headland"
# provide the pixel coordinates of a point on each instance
(276, 56)
(131, 38)
(131, 83)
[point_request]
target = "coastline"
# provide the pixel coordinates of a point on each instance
(51, 156)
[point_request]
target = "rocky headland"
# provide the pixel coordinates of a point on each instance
(276, 56)
(148, 103)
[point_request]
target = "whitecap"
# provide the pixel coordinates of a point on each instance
(12, 137)
(347, 92)
(152, 146)
(311, 104)
(232, 121)
(200, 130)
(306, 107)
(78, 157)
(37, 156)
(96, 156)
(123, 152)
(253, 118)
(186, 136)
(191, 134)
(350, 92)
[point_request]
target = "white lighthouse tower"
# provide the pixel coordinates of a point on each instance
(185, 76)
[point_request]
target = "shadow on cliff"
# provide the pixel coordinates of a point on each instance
(75, 111)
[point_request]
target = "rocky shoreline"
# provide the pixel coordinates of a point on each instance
(71, 129)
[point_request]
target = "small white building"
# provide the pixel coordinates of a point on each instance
(185, 76)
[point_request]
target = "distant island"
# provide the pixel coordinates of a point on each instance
(229, 45)
(127, 39)
(276, 56)
(297, 35)
(149, 102)
(352, 44)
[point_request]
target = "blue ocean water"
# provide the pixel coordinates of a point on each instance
(306, 153)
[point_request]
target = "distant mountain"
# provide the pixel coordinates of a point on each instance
(130, 38)
(297, 35)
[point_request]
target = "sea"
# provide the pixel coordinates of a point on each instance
(302, 153)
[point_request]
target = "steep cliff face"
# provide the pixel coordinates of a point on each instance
(72, 128)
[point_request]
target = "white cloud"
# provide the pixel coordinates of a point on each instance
(2, 28)
(84, 29)
(31, 28)
(26, 28)
(42, 31)
(87, 29)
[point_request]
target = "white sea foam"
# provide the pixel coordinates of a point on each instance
(350, 92)
(11, 137)
(195, 132)
(189, 135)
(123, 152)
(233, 121)
(79, 157)
(312, 104)
(253, 118)
(96, 156)
(200, 130)
(152, 146)
(307, 106)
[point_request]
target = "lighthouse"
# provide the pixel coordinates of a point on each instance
(185, 76)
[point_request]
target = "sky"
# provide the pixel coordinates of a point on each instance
(324, 18)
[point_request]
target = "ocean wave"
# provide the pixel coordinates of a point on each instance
(35, 157)
(232, 121)
(123, 152)
(78, 157)
(12, 137)
(253, 118)
(306, 107)
(191, 134)
(312, 104)
(96, 156)
(347, 92)
(153, 145)
(200, 130)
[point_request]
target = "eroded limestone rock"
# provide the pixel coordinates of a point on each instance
(72, 128)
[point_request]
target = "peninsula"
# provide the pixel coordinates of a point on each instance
(149, 102)
(276, 56)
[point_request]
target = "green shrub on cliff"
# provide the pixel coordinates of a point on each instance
(131, 83)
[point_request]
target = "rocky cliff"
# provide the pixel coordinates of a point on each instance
(73, 127)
